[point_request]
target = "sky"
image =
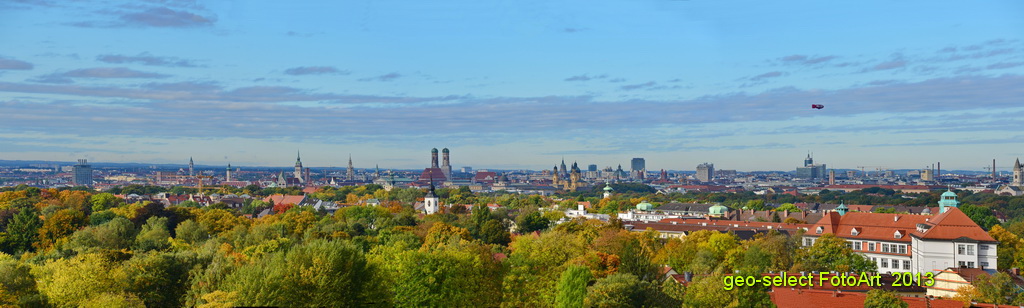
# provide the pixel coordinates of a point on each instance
(514, 84)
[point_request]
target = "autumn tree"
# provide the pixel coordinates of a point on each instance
(878, 298)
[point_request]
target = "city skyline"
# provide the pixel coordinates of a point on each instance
(515, 86)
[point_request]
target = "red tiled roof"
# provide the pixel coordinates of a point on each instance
(870, 226)
(284, 199)
(789, 297)
(953, 224)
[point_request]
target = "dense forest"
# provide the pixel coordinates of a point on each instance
(74, 247)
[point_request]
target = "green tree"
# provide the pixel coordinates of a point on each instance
(884, 299)
(17, 285)
(621, 290)
(460, 274)
(830, 253)
(159, 279)
(319, 273)
(104, 201)
(153, 235)
(191, 232)
(572, 287)
(532, 221)
(707, 291)
(493, 232)
(23, 231)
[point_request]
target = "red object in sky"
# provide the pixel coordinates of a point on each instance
(816, 106)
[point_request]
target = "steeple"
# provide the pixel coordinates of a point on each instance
(298, 158)
(351, 174)
(1018, 174)
(298, 168)
(191, 167)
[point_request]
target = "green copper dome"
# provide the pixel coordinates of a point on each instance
(717, 209)
(644, 206)
(607, 187)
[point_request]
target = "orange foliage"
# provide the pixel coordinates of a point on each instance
(281, 208)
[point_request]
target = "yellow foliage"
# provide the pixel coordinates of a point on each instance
(219, 299)
(70, 282)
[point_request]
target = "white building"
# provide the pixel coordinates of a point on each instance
(909, 242)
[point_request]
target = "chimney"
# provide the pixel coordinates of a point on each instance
(896, 218)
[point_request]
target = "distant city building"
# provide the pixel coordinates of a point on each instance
(810, 171)
(350, 174)
(706, 172)
(83, 173)
(927, 175)
(637, 164)
(298, 168)
(467, 169)
(592, 167)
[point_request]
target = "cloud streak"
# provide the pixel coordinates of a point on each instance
(13, 64)
(315, 70)
(146, 59)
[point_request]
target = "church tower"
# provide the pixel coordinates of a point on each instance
(191, 167)
(562, 172)
(433, 158)
(1018, 174)
(607, 190)
(446, 167)
(430, 201)
(554, 177)
(351, 175)
(574, 177)
(227, 177)
(298, 168)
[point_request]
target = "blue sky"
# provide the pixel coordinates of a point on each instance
(514, 84)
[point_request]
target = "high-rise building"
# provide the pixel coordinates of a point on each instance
(592, 167)
(705, 172)
(811, 171)
(637, 164)
(83, 173)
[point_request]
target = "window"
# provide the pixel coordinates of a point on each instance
(970, 263)
(885, 247)
(906, 264)
(961, 249)
(970, 250)
(961, 264)
(871, 246)
(818, 230)
(885, 263)
(808, 242)
(849, 245)
(984, 264)
(897, 235)
(903, 249)
(895, 264)
(857, 246)
(854, 232)
(983, 247)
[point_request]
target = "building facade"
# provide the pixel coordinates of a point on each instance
(909, 242)
(82, 173)
(705, 172)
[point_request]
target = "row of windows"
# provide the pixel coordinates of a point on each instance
(895, 263)
(887, 248)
